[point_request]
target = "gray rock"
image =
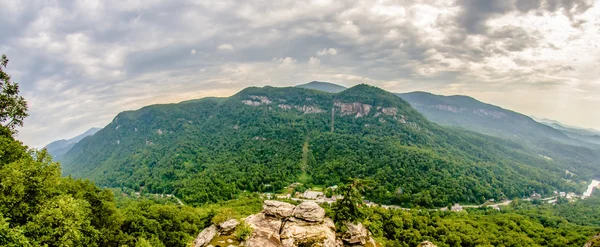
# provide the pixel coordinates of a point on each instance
(228, 226)
(205, 236)
(426, 244)
(309, 211)
(278, 209)
(356, 234)
(298, 233)
(265, 231)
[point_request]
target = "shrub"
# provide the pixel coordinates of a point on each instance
(242, 231)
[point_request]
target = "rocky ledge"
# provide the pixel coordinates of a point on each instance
(282, 224)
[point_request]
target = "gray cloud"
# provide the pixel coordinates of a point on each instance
(79, 63)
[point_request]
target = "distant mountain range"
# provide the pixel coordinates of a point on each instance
(58, 148)
(588, 135)
(263, 139)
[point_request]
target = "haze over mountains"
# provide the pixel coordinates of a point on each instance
(58, 148)
(263, 139)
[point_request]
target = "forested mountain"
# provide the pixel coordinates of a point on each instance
(58, 148)
(565, 145)
(263, 139)
(323, 86)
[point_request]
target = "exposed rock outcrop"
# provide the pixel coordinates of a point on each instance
(282, 224)
(205, 236)
(265, 230)
(257, 101)
(426, 244)
(309, 109)
(303, 233)
(227, 227)
(594, 242)
(309, 211)
(278, 209)
(357, 234)
(357, 109)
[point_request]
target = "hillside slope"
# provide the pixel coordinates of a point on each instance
(263, 139)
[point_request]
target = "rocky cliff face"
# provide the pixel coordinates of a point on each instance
(282, 224)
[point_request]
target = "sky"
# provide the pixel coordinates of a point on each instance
(79, 63)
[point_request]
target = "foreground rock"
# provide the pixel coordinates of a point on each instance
(265, 230)
(306, 233)
(309, 211)
(426, 244)
(205, 236)
(278, 209)
(227, 227)
(357, 234)
(282, 224)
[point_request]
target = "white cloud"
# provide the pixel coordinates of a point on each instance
(313, 61)
(286, 62)
(330, 51)
(80, 57)
(225, 47)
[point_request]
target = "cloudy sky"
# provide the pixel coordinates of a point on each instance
(79, 63)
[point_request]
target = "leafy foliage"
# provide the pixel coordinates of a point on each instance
(348, 209)
(243, 231)
(13, 108)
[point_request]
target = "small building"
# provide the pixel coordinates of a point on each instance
(313, 195)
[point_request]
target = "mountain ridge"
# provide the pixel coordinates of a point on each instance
(211, 149)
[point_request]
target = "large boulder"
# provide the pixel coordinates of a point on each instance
(205, 236)
(228, 226)
(265, 231)
(302, 233)
(278, 209)
(426, 244)
(356, 234)
(309, 211)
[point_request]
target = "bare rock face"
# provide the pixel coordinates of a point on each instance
(265, 230)
(227, 227)
(426, 244)
(594, 242)
(357, 234)
(309, 211)
(361, 110)
(205, 236)
(303, 233)
(278, 209)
